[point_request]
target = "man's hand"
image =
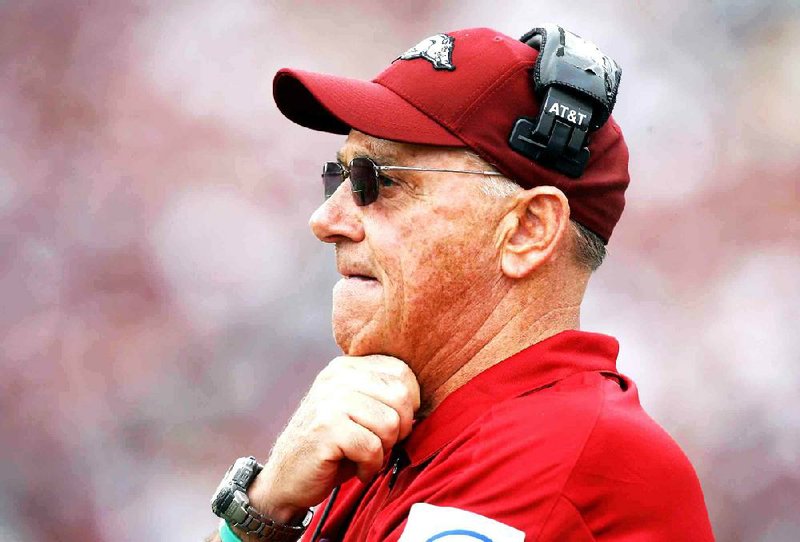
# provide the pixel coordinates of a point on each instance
(354, 413)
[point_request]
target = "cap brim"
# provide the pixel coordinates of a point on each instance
(337, 104)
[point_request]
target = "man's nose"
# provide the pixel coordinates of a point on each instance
(338, 218)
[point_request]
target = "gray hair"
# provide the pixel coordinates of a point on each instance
(588, 248)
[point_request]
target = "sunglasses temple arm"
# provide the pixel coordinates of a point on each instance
(410, 168)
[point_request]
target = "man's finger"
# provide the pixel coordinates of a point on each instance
(376, 416)
(362, 447)
(398, 369)
(389, 391)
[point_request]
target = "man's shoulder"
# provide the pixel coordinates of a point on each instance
(590, 424)
(589, 417)
(536, 438)
(632, 473)
(587, 444)
(587, 428)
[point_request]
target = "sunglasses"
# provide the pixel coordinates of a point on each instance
(366, 178)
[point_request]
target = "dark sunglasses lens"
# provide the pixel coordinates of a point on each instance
(365, 181)
(332, 177)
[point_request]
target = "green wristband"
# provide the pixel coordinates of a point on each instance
(226, 534)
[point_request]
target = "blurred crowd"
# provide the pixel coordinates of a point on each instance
(164, 305)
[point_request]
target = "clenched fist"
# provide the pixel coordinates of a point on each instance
(354, 413)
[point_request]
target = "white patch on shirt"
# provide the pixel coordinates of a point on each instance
(429, 523)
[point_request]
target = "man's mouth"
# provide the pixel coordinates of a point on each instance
(355, 271)
(360, 277)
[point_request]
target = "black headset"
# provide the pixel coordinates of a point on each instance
(577, 85)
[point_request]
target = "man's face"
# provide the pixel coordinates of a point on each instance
(419, 265)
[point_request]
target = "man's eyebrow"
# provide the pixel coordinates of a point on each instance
(361, 153)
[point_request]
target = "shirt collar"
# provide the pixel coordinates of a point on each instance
(538, 366)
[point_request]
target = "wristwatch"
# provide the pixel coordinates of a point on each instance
(231, 503)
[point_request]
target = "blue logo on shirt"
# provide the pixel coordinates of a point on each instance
(459, 533)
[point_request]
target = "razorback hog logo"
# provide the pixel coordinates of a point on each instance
(438, 50)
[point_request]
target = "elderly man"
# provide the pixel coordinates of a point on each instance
(480, 180)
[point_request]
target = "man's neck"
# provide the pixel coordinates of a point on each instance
(500, 337)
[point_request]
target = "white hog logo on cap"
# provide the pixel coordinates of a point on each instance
(438, 50)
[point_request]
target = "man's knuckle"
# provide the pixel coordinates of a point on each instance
(406, 372)
(389, 424)
(393, 418)
(375, 445)
(400, 369)
(381, 378)
(327, 451)
(370, 443)
(325, 419)
(401, 393)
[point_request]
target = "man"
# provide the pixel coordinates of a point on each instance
(468, 215)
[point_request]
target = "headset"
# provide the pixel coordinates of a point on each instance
(577, 85)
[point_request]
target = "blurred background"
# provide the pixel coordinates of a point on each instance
(165, 306)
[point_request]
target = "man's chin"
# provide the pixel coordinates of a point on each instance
(356, 333)
(356, 328)
(354, 340)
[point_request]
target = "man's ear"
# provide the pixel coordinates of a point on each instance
(533, 228)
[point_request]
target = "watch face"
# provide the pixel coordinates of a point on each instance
(230, 474)
(241, 472)
(222, 499)
(243, 475)
(230, 496)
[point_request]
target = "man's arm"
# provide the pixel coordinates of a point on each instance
(354, 413)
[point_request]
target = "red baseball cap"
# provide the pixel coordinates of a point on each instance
(466, 89)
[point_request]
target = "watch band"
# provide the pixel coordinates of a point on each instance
(260, 526)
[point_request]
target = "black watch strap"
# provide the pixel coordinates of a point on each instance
(257, 525)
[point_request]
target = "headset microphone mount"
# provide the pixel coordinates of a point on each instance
(577, 85)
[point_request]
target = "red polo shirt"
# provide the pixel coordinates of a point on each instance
(548, 445)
